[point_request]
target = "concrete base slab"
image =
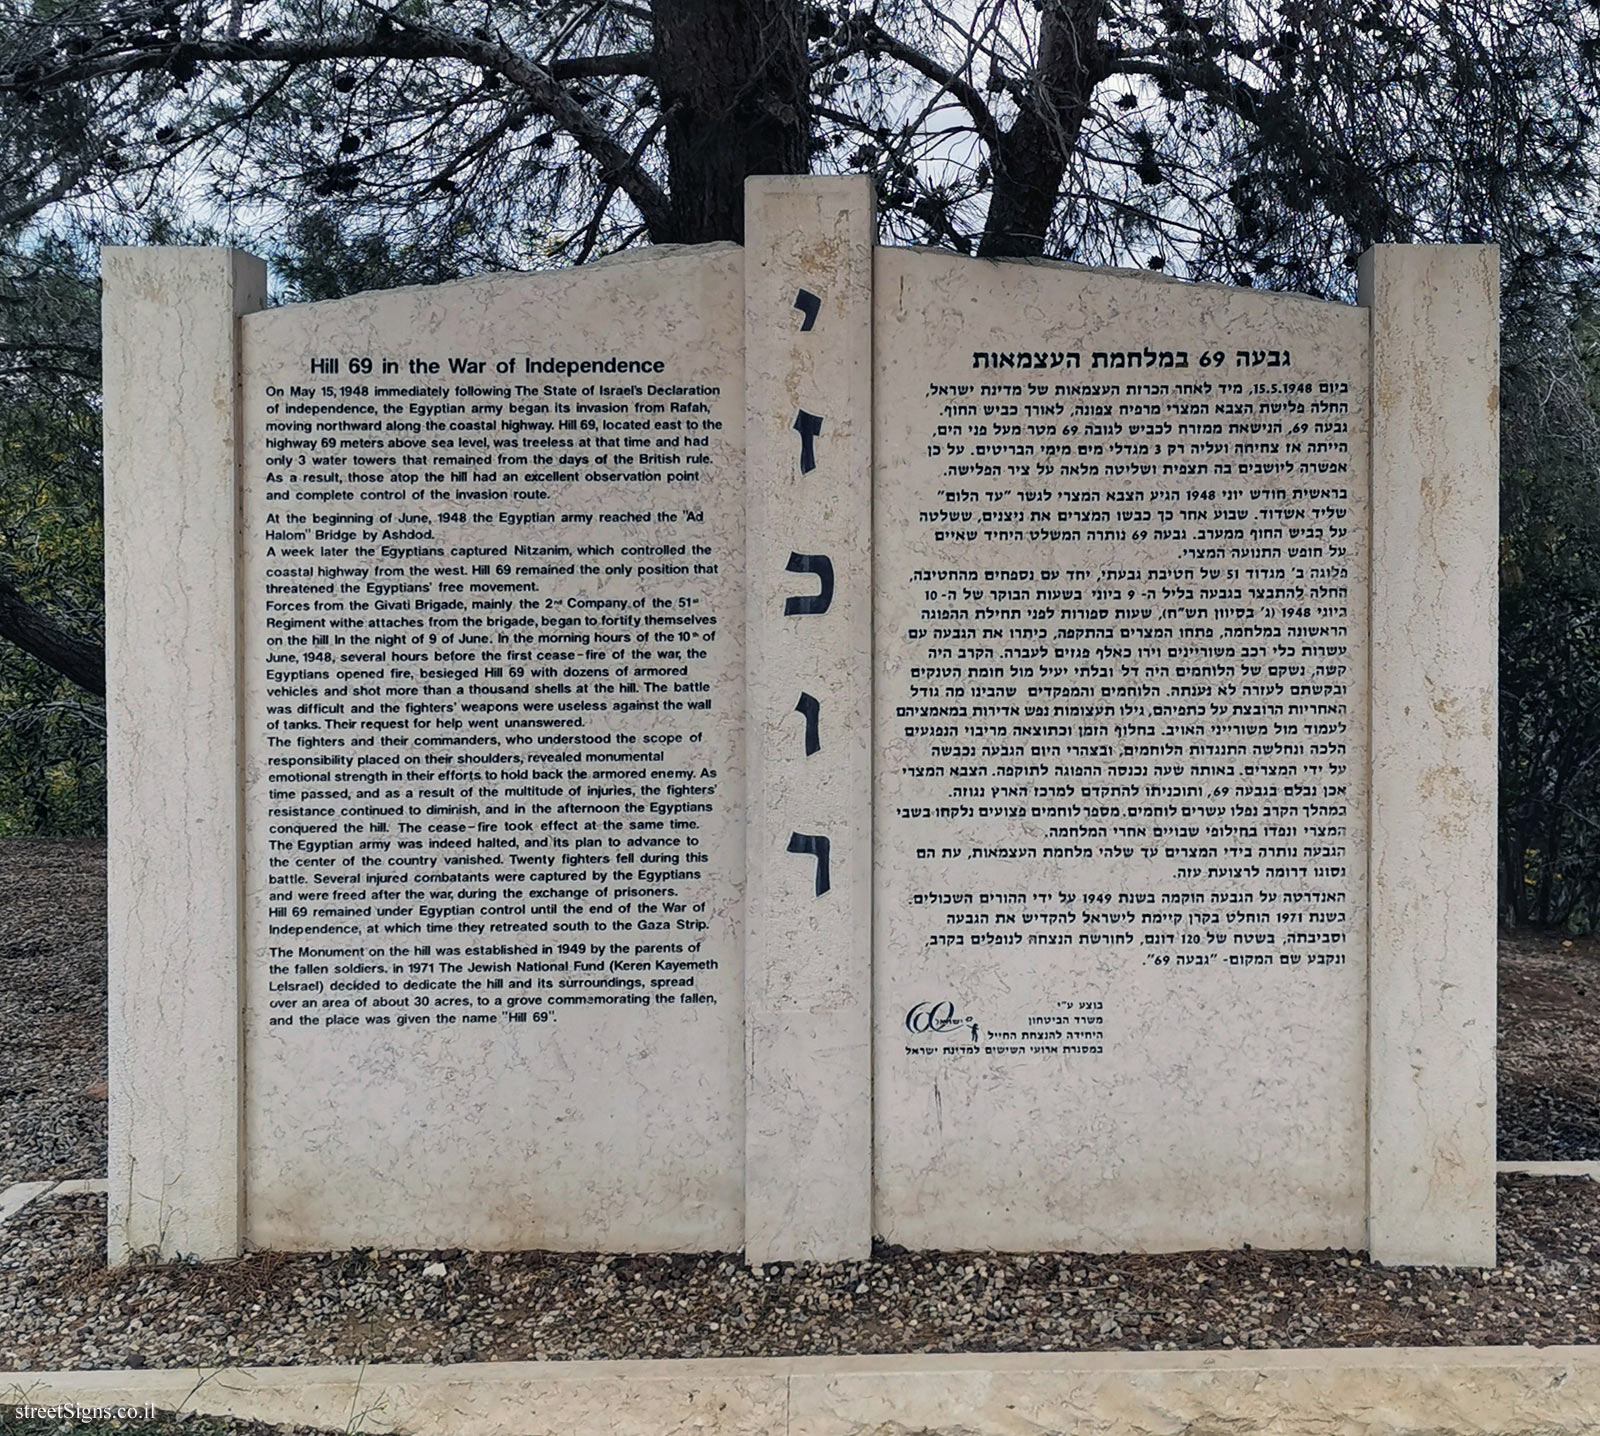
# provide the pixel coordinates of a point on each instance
(18, 1195)
(1591, 1170)
(1447, 1391)
(15, 1197)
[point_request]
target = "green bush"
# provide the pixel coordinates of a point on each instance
(52, 733)
(1550, 624)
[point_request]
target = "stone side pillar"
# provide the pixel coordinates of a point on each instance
(1435, 537)
(808, 964)
(172, 684)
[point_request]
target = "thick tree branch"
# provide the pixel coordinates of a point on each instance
(594, 67)
(591, 234)
(25, 209)
(393, 38)
(865, 36)
(48, 371)
(34, 631)
(41, 347)
(413, 42)
(1215, 84)
(1031, 158)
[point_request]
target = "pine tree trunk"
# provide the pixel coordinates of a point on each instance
(1031, 158)
(733, 81)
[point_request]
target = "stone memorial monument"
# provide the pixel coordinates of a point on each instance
(765, 747)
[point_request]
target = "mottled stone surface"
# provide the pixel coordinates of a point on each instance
(172, 754)
(1482, 1391)
(808, 965)
(572, 562)
(1435, 535)
(1121, 663)
(430, 730)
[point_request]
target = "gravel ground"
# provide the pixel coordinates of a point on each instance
(1549, 1060)
(52, 1009)
(161, 1424)
(59, 1307)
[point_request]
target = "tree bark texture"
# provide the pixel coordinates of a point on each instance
(1030, 159)
(734, 82)
(35, 632)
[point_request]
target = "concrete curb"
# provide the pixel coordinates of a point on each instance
(15, 1197)
(1413, 1391)
(18, 1195)
(1591, 1170)
(1441, 1391)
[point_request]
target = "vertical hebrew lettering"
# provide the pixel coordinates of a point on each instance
(807, 426)
(812, 711)
(820, 601)
(810, 305)
(817, 846)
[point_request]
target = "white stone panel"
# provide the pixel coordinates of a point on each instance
(808, 985)
(495, 659)
(172, 753)
(432, 708)
(1120, 692)
(1435, 621)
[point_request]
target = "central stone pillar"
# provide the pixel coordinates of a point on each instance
(808, 965)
